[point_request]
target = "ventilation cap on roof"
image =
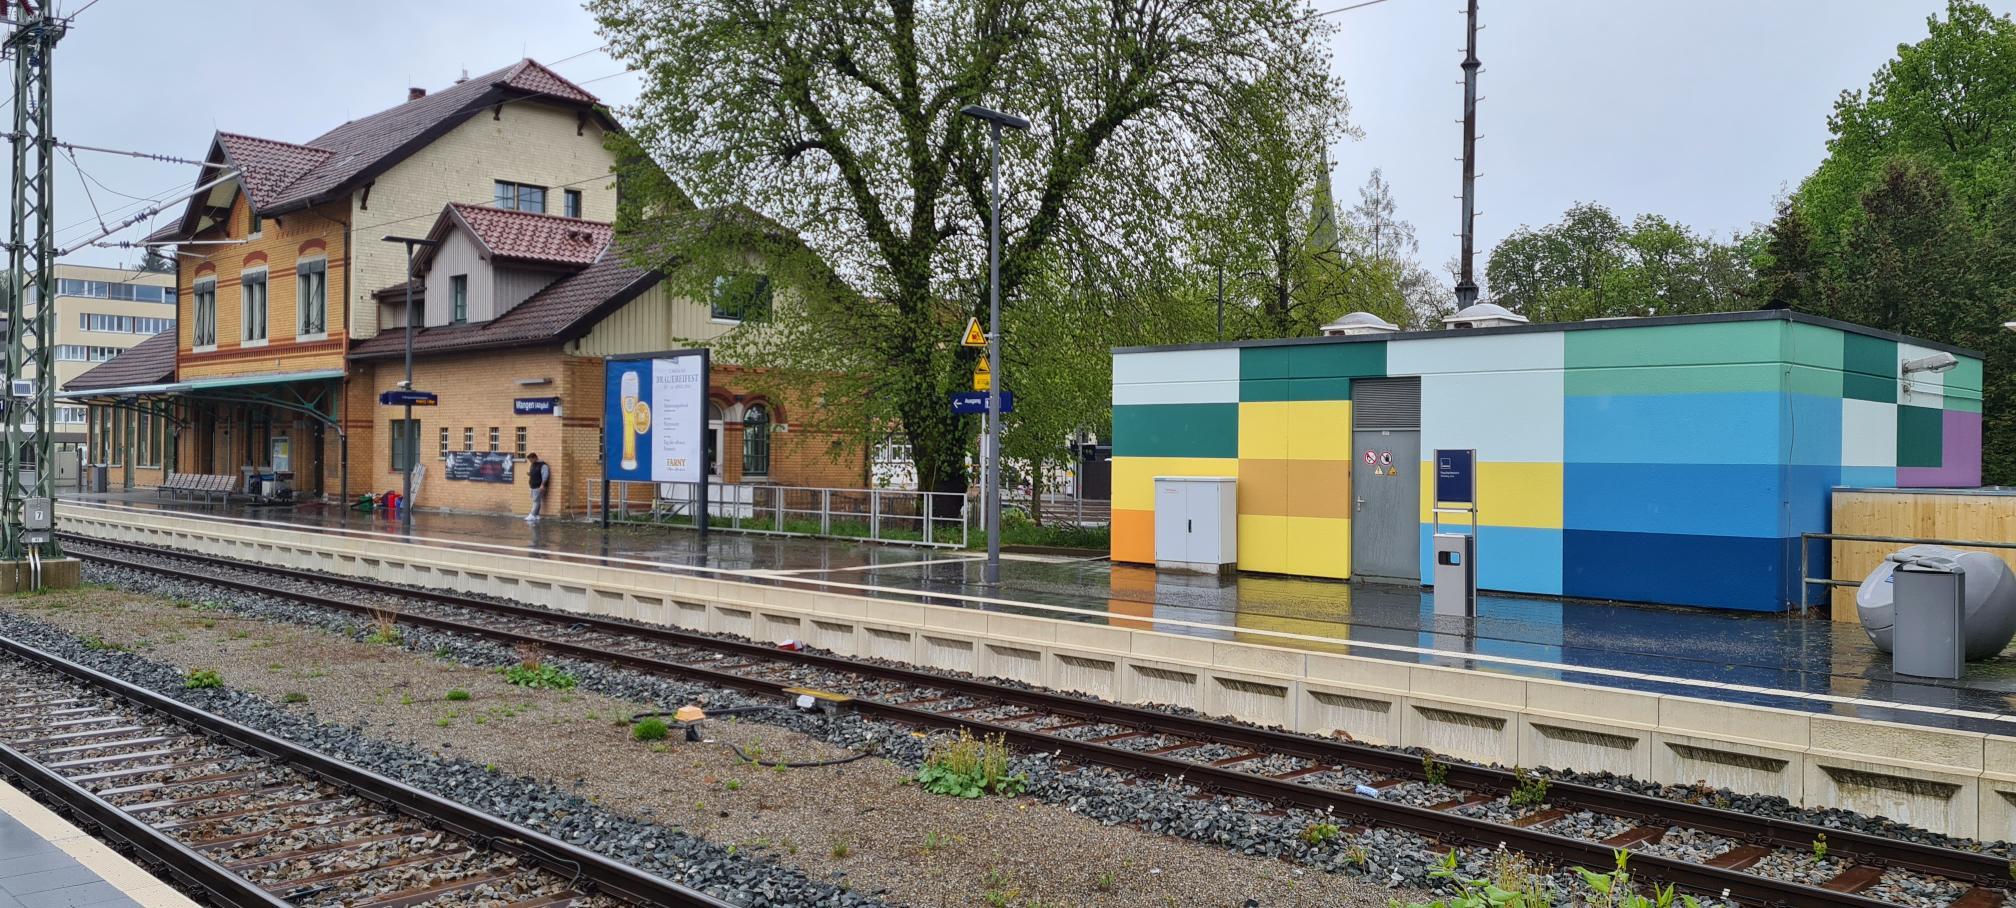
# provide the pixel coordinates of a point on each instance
(1483, 315)
(1359, 323)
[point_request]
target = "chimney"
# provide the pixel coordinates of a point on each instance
(415, 94)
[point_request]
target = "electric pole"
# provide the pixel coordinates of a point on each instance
(1466, 283)
(26, 467)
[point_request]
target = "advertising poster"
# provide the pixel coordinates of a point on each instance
(655, 417)
(480, 466)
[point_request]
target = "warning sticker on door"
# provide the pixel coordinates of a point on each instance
(1385, 458)
(1371, 457)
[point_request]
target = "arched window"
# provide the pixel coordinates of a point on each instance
(756, 440)
(714, 422)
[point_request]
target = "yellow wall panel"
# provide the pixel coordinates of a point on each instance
(1508, 494)
(1263, 543)
(1319, 547)
(1263, 487)
(1319, 429)
(1263, 430)
(1134, 477)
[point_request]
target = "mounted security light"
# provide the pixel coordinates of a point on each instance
(1936, 363)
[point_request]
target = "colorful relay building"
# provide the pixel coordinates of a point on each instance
(1673, 460)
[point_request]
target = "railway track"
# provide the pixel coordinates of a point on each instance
(253, 820)
(1699, 848)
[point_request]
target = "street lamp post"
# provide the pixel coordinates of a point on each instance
(412, 439)
(995, 120)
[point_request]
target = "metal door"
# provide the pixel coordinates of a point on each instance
(1386, 507)
(1386, 480)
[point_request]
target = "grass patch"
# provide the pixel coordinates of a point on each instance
(295, 697)
(652, 729)
(101, 645)
(532, 670)
(202, 679)
(457, 695)
(970, 767)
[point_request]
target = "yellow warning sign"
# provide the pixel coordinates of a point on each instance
(982, 377)
(974, 337)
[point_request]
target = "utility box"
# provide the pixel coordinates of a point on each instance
(1931, 595)
(1456, 575)
(1196, 523)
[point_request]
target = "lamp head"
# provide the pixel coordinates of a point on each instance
(995, 117)
(1935, 363)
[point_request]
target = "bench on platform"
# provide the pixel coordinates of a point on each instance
(193, 484)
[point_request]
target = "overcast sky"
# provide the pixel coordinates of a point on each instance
(1701, 111)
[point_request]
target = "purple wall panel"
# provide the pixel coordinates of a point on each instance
(1960, 456)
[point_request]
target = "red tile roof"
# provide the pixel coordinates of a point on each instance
(526, 236)
(149, 362)
(283, 176)
(564, 309)
(265, 167)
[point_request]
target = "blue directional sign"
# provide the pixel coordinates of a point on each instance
(415, 398)
(976, 402)
(1455, 476)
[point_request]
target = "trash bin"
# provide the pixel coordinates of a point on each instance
(1455, 575)
(1927, 639)
(101, 478)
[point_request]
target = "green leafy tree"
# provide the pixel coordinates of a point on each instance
(1592, 265)
(838, 122)
(1948, 102)
(1789, 268)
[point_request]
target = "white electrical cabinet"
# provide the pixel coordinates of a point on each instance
(1196, 523)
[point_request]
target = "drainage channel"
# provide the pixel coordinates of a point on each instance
(1361, 785)
(253, 820)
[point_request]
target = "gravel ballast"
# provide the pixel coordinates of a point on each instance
(858, 824)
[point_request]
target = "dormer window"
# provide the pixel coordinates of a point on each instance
(521, 197)
(458, 299)
(254, 223)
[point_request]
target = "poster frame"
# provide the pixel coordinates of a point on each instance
(706, 390)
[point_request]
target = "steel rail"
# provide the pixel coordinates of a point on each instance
(592, 871)
(1855, 847)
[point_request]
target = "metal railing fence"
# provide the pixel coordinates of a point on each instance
(902, 516)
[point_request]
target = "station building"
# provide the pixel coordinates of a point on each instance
(1670, 460)
(290, 317)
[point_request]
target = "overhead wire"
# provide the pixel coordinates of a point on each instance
(88, 197)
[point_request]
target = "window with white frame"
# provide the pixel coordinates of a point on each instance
(458, 299)
(311, 297)
(205, 334)
(252, 294)
(520, 197)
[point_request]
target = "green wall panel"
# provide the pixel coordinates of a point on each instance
(1319, 389)
(1763, 377)
(1920, 441)
(1869, 367)
(1813, 345)
(1965, 375)
(1263, 362)
(1258, 390)
(1176, 430)
(1675, 345)
(1338, 360)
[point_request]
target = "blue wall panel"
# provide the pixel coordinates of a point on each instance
(1521, 559)
(1812, 430)
(1732, 572)
(1690, 499)
(1869, 477)
(1674, 428)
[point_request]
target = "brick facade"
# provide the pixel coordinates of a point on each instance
(477, 391)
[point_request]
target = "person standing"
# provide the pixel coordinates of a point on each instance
(539, 476)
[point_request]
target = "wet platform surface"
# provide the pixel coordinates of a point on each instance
(1784, 660)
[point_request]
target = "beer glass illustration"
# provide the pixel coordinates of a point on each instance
(630, 405)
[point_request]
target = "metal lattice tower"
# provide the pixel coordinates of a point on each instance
(26, 466)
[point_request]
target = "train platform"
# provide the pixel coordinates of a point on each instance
(47, 863)
(1781, 660)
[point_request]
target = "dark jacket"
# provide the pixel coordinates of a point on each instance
(538, 475)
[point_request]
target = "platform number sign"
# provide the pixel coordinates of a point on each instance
(1455, 476)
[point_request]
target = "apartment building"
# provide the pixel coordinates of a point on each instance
(100, 313)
